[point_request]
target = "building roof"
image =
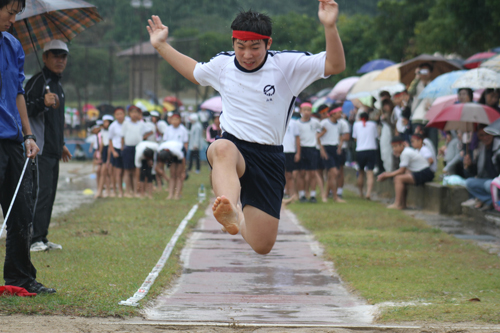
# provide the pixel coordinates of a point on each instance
(147, 49)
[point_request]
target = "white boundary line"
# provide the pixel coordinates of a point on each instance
(144, 289)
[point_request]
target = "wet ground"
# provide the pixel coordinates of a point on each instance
(74, 179)
(224, 281)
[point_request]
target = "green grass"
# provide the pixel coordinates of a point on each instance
(387, 256)
(109, 248)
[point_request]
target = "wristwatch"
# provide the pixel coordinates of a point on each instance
(30, 136)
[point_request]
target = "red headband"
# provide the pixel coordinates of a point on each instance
(248, 35)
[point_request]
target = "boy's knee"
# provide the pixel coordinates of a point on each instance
(263, 248)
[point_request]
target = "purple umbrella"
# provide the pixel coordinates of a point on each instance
(377, 64)
(339, 92)
(212, 104)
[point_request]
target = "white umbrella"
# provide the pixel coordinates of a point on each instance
(478, 78)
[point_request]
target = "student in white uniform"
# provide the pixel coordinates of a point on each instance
(308, 165)
(145, 153)
(345, 132)
(171, 154)
(106, 169)
(413, 169)
(258, 89)
(115, 148)
(291, 148)
(417, 142)
(330, 148)
(365, 133)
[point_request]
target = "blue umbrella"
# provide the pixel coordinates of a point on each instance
(441, 86)
(347, 107)
(377, 64)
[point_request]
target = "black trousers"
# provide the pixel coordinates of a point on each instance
(194, 155)
(46, 185)
(18, 269)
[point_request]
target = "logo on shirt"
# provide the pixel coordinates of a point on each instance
(269, 90)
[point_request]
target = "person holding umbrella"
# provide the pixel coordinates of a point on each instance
(45, 103)
(14, 130)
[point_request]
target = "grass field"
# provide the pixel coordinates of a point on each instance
(388, 256)
(109, 248)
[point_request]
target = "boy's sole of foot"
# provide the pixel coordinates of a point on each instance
(226, 215)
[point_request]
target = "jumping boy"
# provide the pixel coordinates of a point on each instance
(258, 89)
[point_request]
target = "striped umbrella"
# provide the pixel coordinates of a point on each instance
(46, 20)
(492, 63)
(463, 117)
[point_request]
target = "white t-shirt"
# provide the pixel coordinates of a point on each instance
(133, 132)
(427, 153)
(258, 104)
(396, 115)
(308, 132)
(292, 132)
(344, 128)
(174, 146)
(139, 151)
(331, 136)
(179, 134)
(115, 134)
(150, 127)
(412, 160)
(105, 137)
(366, 136)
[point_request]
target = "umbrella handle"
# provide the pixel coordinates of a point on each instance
(14, 197)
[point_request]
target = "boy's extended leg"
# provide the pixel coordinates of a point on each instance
(228, 165)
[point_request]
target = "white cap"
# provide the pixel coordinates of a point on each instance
(193, 117)
(98, 122)
(108, 117)
(154, 114)
(56, 45)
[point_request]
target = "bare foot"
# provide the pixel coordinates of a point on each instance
(112, 194)
(105, 194)
(340, 200)
(169, 197)
(97, 195)
(128, 195)
(226, 214)
(394, 206)
(324, 199)
(368, 198)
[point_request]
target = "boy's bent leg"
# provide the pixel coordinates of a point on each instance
(259, 229)
(228, 165)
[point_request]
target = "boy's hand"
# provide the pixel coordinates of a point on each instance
(158, 33)
(328, 12)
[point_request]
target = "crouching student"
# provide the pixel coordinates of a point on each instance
(145, 153)
(170, 153)
(413, 169)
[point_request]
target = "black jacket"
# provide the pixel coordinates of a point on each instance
(46, 123)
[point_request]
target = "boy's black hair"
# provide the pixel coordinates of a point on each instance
(4, 3)
(166, 156)
(149, 153)
(384, 93)
(253, 22)
(406, 113)
(398, 139)
(363, 115)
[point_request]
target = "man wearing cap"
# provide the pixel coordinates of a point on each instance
(45, 103)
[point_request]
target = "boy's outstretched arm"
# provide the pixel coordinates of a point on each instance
(335, 59)
(158, 34)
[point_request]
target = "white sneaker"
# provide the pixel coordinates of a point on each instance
(469, 203)
(53, 246)
(38, 246)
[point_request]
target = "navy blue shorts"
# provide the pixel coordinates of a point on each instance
(104, 155)
(117, 162)
(342, 157)
(366, 158)
(263, 182)
(333, 160)
(423, 176)
(308, 158)
(146, 172)
(290, 164)
(128, 155)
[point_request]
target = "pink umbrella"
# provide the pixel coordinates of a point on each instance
(476, 60)
(463, 117)
(213, 104)
(339, 92)
(444, 101)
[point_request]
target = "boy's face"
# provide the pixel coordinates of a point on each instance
(119, 115)
(251, 53)
(416, 142)
(306, 112)
(135, 114)
(8, 15)
(397, 148)
(175, 121)
(105, 124)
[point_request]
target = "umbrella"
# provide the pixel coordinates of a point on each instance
(45, 20)
(145, 105)
(406, 70)
(347, 107)
(444, 101)
(168, 106)
(339, 92)
(391, 73)
(366, 85)
(441, 86)
(476, 60)
(494, 128)
(478, 78)
(173, 100)
(212, 104)
(323, 100)
(377, 64)
(464, 116)
(492, 63)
